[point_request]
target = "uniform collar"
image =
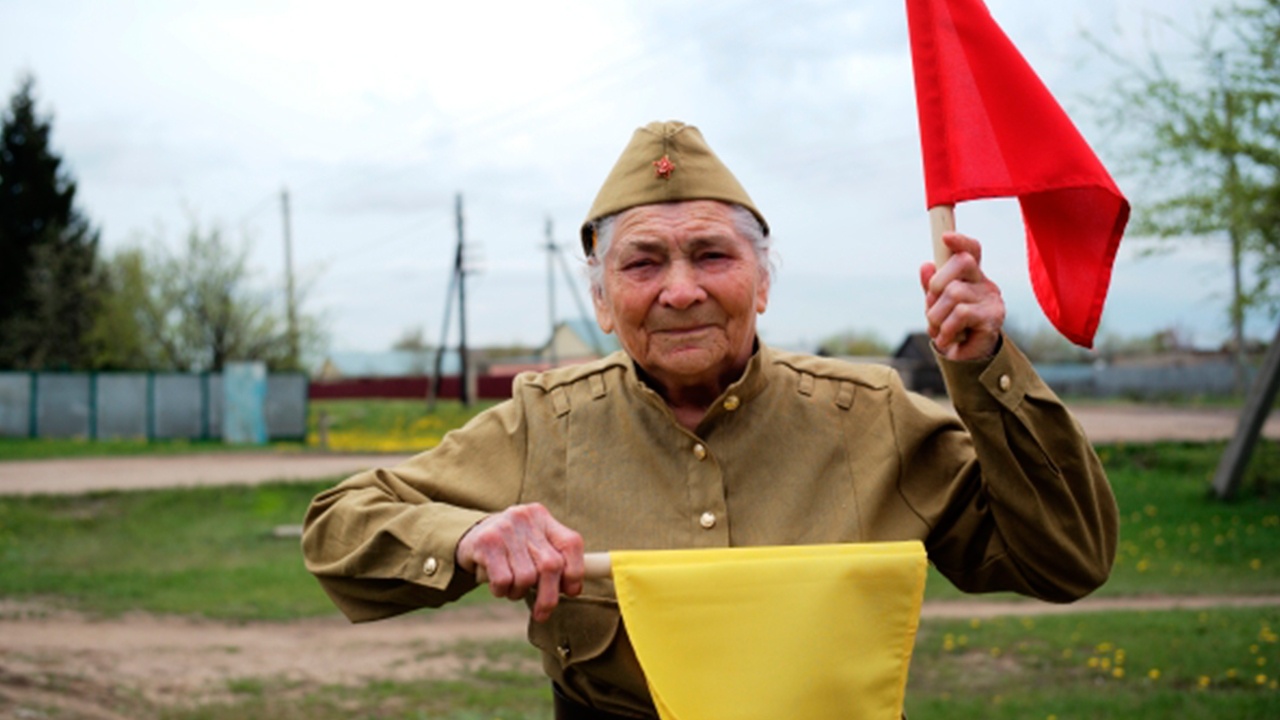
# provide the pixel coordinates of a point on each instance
(743, 390)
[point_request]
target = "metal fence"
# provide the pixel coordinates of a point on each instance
(163, 406)
(1140, 382)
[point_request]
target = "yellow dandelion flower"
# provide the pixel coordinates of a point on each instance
(1255, 564)
(975, 623)
(1154, 673)
(1150, 510)
(1262, 661)
(1260, 679)
(1119, 656)
(1231, 672)
(1118, 673)
(1203, 681)
(1092, 662)
(1105, 663)
(1104, 647)
(995, 652)
(1067, 653)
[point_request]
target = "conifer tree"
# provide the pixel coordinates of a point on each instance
(48, 251)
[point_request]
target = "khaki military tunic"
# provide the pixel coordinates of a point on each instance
(800, 450)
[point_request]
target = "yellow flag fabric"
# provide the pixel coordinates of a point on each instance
(809, 631)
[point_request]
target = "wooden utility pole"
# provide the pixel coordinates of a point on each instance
(1257, 406)
(291, 312)
(551, 292)
(460, 270)
(457, 282)
(577, 301)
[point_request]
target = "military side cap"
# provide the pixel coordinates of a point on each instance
(665, 162)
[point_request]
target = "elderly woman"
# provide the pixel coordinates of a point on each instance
(698, 435)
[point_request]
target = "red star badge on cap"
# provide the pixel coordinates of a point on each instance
(663, 167)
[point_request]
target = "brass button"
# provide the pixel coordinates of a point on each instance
(731, 403)
(708, 520)
(431, 566)
(1005, 383)
(700, 451)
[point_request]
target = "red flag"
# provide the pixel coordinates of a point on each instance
(990, 128)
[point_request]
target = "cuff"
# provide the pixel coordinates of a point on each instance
(434, 563)
(997, 382)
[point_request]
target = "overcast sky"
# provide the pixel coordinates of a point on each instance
(375, 116)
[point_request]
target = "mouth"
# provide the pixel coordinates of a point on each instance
(689, 330)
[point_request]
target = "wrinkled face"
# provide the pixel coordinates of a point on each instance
(682, 288)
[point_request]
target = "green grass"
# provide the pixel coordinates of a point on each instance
(46, 448)
(205, 551)
(385, 425)
(1184, 664)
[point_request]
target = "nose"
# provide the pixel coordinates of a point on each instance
(682, 287)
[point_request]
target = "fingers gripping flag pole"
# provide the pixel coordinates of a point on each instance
(990, 128)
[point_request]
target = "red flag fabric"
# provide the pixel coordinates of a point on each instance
(990, 128)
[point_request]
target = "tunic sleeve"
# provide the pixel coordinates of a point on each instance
(1023, 504)
(383, 541)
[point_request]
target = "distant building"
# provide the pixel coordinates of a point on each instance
(916, 363)
(577, 341)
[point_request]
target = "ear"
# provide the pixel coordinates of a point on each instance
(604, 313)
(762, 293)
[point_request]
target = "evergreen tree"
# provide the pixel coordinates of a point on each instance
(49, 288)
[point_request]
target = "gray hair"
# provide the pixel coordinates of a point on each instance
(743, 221)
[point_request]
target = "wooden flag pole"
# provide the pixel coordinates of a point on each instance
(942, 219)
(595, 566)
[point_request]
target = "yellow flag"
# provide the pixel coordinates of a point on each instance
(808, 631)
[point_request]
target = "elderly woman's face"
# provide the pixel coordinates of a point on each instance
(682, 289)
